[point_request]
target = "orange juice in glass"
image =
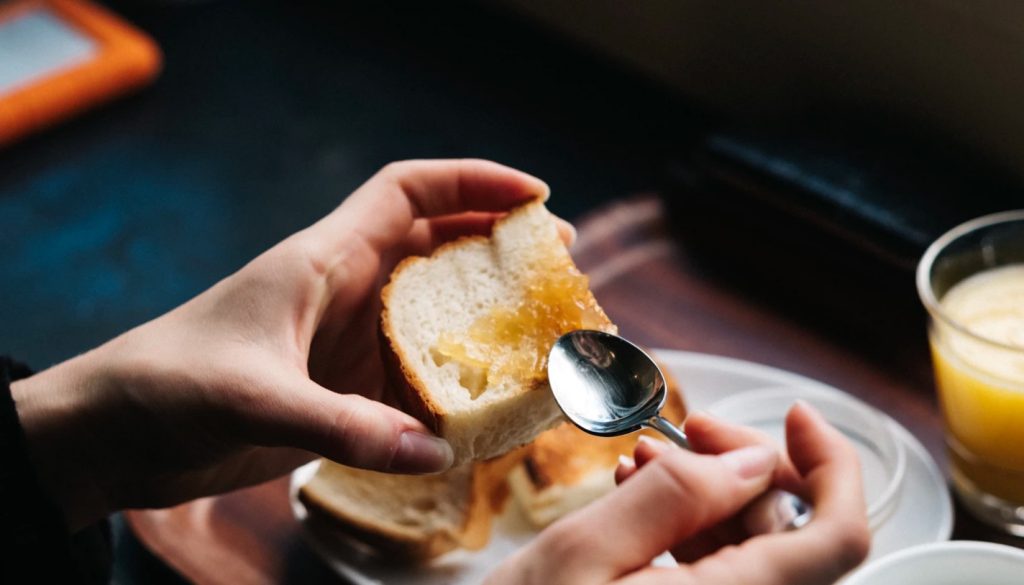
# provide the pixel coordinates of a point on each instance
(971, 280)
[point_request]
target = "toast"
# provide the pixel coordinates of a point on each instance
(467, 332)
(565, 468)
(411, 518)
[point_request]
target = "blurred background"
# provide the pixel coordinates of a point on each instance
(781, 137)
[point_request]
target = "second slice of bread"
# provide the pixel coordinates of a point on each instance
(469, 328)
(565, 469)
(412, 517)
(407, 518)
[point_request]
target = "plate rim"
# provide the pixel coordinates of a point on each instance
(945, 528)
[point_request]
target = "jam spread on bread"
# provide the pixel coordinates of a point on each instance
(514, 341)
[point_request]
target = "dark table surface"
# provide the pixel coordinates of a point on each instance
(266, 115)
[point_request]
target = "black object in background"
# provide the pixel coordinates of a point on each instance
(828, 220)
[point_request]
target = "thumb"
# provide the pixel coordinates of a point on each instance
(668, 500)
(356, 431)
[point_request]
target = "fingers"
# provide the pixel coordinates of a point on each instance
(353, 430)
(429, 233)
(831, 469)
(708, 434)
(835, 540)
(451, 227)
(626, 468)
(673, 496)
(433, 188)
(712, 436)
(566, 231)
(384, 208)
(645, 451)
(706, 541)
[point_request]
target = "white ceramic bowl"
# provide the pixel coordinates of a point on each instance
(958, 562)
(883, 458)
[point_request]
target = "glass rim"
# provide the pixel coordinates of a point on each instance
(924, 285)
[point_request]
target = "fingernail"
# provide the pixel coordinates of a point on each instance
(751, 462)
(699, 414)
(572, 233)
(800, 402)
(658, 446)
(625, 461)
(545, 192)
(421, 453)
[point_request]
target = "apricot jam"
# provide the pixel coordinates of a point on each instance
(513, 342)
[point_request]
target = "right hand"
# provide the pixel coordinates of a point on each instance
(688, 503)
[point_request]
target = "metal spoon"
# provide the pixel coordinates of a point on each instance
(607, 387)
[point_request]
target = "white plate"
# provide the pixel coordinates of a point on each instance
(946, 563)
(924, 513)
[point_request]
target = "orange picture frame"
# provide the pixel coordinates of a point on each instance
(126, 59)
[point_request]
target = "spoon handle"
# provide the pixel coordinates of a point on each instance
(674, 433)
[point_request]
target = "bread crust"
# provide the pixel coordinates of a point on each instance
(410, 391)
(408, 547)
(411, 545)
(405, 386)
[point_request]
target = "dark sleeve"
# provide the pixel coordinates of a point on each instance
(35, 546)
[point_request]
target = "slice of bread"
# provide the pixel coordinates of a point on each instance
(565, 468)
(468, 331)
(413, 518)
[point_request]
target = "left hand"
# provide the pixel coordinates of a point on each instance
(270, 367)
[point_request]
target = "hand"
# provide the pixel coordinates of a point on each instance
(689, 504)
(275, 363)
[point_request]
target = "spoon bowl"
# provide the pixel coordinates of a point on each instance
(604, 384)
